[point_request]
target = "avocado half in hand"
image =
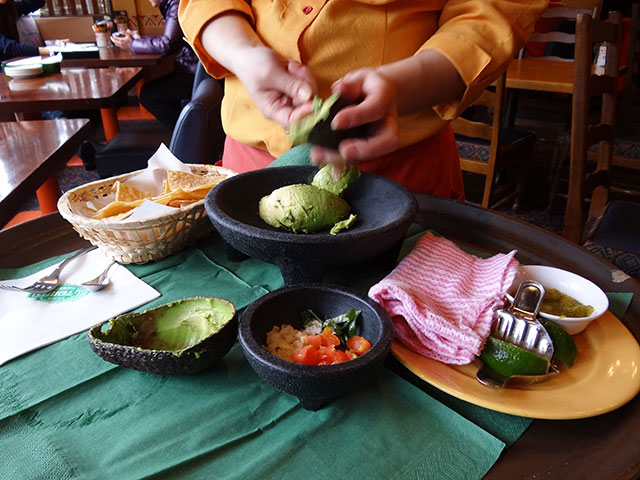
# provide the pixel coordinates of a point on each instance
(315, 128)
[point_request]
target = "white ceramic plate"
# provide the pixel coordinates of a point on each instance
(22, 71)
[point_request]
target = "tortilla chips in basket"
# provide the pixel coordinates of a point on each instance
(100, 211)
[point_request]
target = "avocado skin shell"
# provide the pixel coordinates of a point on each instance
(322, 135)
(164, 362)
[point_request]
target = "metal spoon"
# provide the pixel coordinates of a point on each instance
(101, 280)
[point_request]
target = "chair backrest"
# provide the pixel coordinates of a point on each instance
(198, 136)
(559, 16)
(601, 82)
(632, 74)
(485, 125)
(76, 29)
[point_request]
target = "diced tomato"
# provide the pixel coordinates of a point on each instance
(350, 355)
(330, 337)
(315, 340)
(359, 345)
(340, 356)
(321, 349)
(326, 355)
(308, 355)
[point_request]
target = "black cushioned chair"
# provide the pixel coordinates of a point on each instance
(197, 137)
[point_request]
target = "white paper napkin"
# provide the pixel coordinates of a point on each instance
(29, 321)
(150, 179)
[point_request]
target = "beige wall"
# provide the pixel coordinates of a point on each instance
(142, 16)
(76, 29)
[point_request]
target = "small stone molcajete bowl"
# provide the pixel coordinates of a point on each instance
(384, 210)
(314, 385)
(178, 338)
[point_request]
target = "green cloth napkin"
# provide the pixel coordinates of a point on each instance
(227, 423)
(298, 155)
(65, 413)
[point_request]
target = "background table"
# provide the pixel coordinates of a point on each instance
(540, 75)
(600, 447)
(72, 89)
(116, 57)
(31, 153)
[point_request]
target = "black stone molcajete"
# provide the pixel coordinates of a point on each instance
(384, 212)
(314, 386)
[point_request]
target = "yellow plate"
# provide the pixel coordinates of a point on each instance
(605, 376)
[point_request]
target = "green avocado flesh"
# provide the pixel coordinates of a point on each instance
(302, 208)
(299, 131)
(324, 179)
(174, 327)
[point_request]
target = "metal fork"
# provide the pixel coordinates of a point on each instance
(49, 282)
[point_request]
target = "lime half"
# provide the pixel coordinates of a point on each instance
(564, 348)
(508, 360)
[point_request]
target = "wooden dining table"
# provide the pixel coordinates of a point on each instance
(31, 153)
(540, 75)
(100, 89)
(603, 446)
(116, 57)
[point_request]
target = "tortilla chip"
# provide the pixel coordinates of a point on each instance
(129, 193)
(178, 203)
(185, 180)
(180, 189)
(117, 207)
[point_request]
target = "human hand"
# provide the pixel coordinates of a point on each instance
(281, 89)
(122, 40)
(378, 108)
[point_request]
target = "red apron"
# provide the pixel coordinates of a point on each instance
(429, 166)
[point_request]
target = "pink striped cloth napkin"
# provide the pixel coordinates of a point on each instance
(442, 300)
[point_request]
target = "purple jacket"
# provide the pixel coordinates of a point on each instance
(171, 40)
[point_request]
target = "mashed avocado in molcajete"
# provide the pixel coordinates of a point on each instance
(311, 208)
(324, 179)
(173, 327)
(302, 208)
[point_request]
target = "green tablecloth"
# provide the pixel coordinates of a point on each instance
(66, 413)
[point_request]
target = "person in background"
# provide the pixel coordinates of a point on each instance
(164, 97)
(412, 66)
(10, 45)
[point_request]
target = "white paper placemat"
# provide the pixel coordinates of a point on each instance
(32, 320)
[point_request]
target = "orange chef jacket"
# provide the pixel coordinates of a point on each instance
(334, 37)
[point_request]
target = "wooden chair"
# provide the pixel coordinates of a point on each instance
(631, 92)
(626, 142)
(600, 83)
(486, 147)
(559, 13)
(610, 228)
(552, 47)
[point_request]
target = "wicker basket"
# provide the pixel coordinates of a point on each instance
(136, 241)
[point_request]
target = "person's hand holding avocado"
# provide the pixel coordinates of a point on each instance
(281, 88)
(398, 88)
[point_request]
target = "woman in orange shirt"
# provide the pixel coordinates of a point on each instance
(415, 65)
